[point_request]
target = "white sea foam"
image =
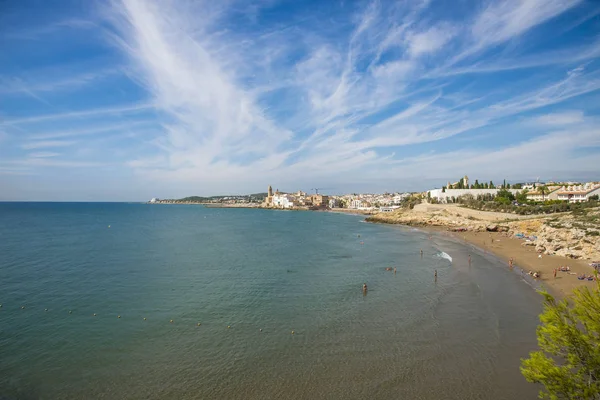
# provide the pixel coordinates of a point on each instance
(444, 255)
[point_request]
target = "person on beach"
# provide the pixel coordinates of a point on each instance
(554, 273)
(469, 259)
(510, 263)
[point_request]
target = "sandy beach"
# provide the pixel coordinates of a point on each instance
(573, 248)
(527, 259)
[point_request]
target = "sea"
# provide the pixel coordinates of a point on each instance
(142, 301)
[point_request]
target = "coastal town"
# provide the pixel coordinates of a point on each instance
(545, 218)
(569, 192)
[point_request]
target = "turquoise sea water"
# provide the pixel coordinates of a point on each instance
(409, 337)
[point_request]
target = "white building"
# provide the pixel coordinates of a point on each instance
(333, 203)
(576, 194)
(400, 197)
(551, 195)
(443, 196)
(154, 200)
(356, 204)
(388, 209)
(284, 201)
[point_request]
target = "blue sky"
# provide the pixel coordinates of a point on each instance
(133, 99)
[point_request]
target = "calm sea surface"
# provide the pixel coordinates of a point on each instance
(409, 337)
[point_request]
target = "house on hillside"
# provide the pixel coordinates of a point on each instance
(536, 195)
(577, 194)
(356, 204)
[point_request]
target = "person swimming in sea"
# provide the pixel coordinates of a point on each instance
(435, 274)
(364, 287)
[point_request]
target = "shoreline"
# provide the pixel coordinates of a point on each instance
(525, 258)
(535, 243)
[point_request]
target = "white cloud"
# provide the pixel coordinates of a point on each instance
(561, 118)
(307, 101)
(47, 143)
(79, 114)
(43, 154)
(120, 127)
(503, 20)
(431, 40)
(28, 86)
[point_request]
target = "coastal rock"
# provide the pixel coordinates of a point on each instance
(565, 235)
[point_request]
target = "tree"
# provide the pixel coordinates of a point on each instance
(486, 186)
(492, 185)
(443, 189)
(568, 362)
(544, 191)
(593, 197)
(476, 184)
(522, 196)
(504, 196)
(504, 184)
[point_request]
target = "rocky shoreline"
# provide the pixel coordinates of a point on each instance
(566, 235)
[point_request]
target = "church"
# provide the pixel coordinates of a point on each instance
(269, 199)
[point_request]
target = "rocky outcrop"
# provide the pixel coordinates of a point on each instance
(566, 242)
(567, 235)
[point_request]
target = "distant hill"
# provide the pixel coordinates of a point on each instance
(259, 195)
(202, 199)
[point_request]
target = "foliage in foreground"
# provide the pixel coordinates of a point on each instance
(568, 364)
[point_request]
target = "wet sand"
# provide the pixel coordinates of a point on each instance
(527, 259)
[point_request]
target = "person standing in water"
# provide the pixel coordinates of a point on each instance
(364, 287)
(394, 270)
(421, 253)
(469, 259)
(435, 274)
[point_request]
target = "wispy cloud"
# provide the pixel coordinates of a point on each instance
(133, 108)
(16, 85)
(561, 118)
(381, 90)
(40, 32)
(121, 127)
(47, 143)
(43, 154)
(336, 94)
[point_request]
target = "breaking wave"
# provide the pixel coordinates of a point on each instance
(444, 255)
